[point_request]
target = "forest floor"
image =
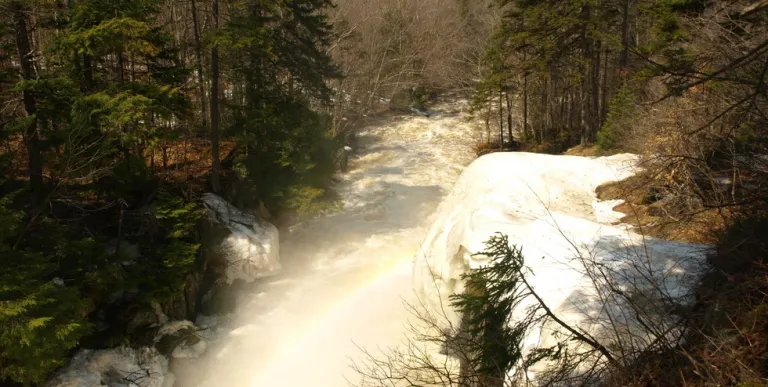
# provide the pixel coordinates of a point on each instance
(659, 218)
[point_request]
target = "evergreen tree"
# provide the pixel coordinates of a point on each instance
(285, 150)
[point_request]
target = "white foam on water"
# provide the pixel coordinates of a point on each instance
(345, 275)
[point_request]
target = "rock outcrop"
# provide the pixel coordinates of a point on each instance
(247, 247)
(128, 367)
(134, 367)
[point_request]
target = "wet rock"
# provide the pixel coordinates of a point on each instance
(143, 367)
(179, 340)
(247, 248)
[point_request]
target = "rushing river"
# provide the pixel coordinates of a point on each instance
(345, 275)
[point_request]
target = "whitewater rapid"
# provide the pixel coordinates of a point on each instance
(345, 276)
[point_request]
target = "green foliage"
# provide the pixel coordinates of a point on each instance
(128, 177)
(619, 121)
(111, 113)
(493, 293)
(667, 29)
(287, 152)
(309, 201)
(109, 84)
(119, 34)
(172, 257)
(178, 218)
(42, 316)
(289, 166)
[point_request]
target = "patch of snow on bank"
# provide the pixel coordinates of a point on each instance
(547, 205)
(252, 249)
(124, 367)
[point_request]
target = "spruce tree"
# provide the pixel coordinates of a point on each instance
(285, 149)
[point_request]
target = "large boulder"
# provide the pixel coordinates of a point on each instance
(248, 246)
(118, 367)
(134, 367)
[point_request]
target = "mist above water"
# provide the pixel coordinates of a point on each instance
(345, 275)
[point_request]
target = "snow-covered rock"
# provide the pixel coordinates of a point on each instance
(547, 205)
(119, 367)
(252, 247)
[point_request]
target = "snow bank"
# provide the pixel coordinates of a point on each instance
(126, 367)
(252, 248)
(547, 205)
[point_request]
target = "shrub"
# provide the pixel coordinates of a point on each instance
(42, 316)
(620, 115)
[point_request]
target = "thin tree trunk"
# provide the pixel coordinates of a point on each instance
(121, 67)
(583, 124)
(595, 92)
(562, 119)
(488, 123)
(585, 121)
(215, 104)
(525, 101)
(545, 108)
(120, 228)
(571, 110)
(31, 134)
(199, 63)
(509, 118)
(604, 101)
(501, 120)
(87, 73)
(624, 57)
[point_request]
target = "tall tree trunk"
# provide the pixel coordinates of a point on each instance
(525, 100)
(595, 91)
(563, 118)
(583, 121)
(586, 80)
(121, 67)
(501, 120)
(604, 101)
(571, 110)
(509, 117)
(31, 134)
(488, 122)
(87, 73)
(199, 63)
(215, 104)
(624, 57)
(545, 108)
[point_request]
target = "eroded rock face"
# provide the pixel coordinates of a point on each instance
(249, 247)
(143, 367)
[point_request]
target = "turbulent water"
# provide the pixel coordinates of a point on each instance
(345, 275)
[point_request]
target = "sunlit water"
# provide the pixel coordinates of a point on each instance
(345, 275)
